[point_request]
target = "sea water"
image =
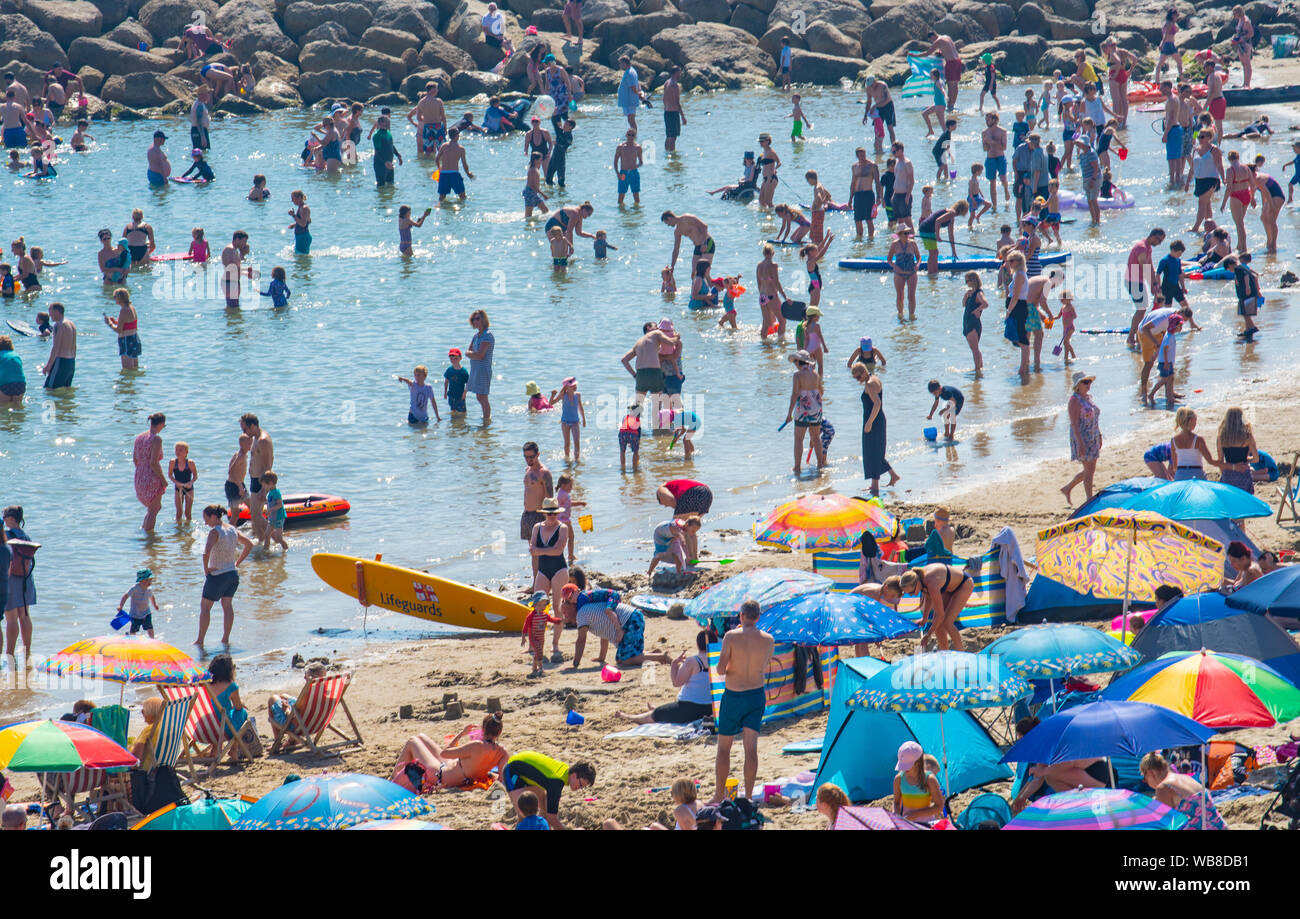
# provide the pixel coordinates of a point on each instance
(446, 498)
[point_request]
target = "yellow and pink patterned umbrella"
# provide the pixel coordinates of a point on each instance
(1128, 554)
(124, 659)
(816, 522)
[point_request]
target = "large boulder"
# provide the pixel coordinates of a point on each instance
(129, 33)
(92, 79)
(962, 28)
(1061, 29)
(825, 69)
(415, 16)
(849, 16)
(413, 86)
(524, 9)
(900, 25)
(389, 41)
(145, 90)
(824, 38)
(465, 31)
(265, 64)
(705, 10)
(648, 60)
(637, 30)
(1013, 55)
(273, 93)
(23, 40)
(169, 18)
(730, 52)
(763, 6)
(112, 59)
(1078, 10)
(302, 17)
(328, 31)
(548, 20)
(1031, 20)
(65, 19)
(771, 40)
(996, 18)
(341, 84)
(252, 28)
(470, 83)
(320, 56)
(594, 11)
(112, 11)
(1059, 56)
(752, 20)
(437, 52)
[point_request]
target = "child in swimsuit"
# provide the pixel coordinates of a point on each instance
(79, 136)
(731, 290)
(405, 221)
(198, 246)
(974, 198)
(629, 435)
(536, 401)
(561, 249)
(814, 342)
(258, 192)
(602, 245)
(667, 283)
(1067, 316)
(183, 474)
(867, 353)
(1052, 215)
(278, 291)
(534, 631)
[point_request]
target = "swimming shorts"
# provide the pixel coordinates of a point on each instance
(741, 710)
(1218, 107)
(62, 372)
(1137, 291)
(532, 198)
(411, 419)
(929, 243)
(1149, 347)
(1188, 137)
(219, 586)
(863, 204)
(432, 136)
(952, 70)
(902, 207)
(673, 385)
(1204, 185)
(708, 247)
(1168, 48)
(146, 623)
(796, 128)
(199, 137)
(155, 178)
(254, 485)
(886, 113)
(234, 491)
(17, 388)
(995, 166)
(129, 346)
(630, 439)
(562, 262)
(15, 137)
(629, 181)
(695, 500)
(650, 379)
(528, 520)
(450, 181)
(633, 643)
(1166, 370)
(672, 124)
(1174, 143)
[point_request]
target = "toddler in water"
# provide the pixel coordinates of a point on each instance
(404, 224)
(668, 284)
(258, 192)
(877, 128)
(867, 353)
(43, 326)
(141, 596)
(201, 169)
(533, 636)
(279, 291)
(563, 497)
(275, 512)
(629, 435)
(183, 473)
(731, 290)
(15, 161)
(683, 424)
(1067, 316)
(454, 380)
(974, 196)
(927, 200)
(602, 245)
(79, 136)
(421, 397)
(561, 249)
(198, 246)
(6, 280)
(808, 335)
(953, 400)
(536, 401)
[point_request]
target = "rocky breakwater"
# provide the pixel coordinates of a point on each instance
(127, 54)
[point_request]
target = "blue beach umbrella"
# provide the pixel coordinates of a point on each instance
(1056, 651)
(1235, 624)
(1116, 494)
(208, 814)
(333, 801)
(1199, 499)
(1097, 809)
(1107, 729)
(939, 681)
(768, 586)
(833, 619)
(1277, 592)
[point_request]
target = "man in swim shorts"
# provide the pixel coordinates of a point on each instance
(878, 95)
(450, 158)
(864, 191)
(627, 159)
(1173, 135)
(904, 179)
(952, 67)
(648, 373)
(14, 118)
(674, 115)
(1140, 279)
(538, 486)
(743, 664)
(62, 364)
(160, 169)
(430, 120)
(694, 229)
(261, 459)
(994, 140)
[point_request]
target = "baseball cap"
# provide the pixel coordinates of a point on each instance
(196, 152)
(453, 352)
(908, 754)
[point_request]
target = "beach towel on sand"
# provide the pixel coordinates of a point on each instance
(678, 732)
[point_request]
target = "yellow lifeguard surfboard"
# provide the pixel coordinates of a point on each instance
(419, 594)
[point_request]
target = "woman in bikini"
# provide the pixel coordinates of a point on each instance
(769, 162)
(423, 766)
(1168, 48)
(1239, 192)
(794, 225)
(1243, 43)
(944, 591)
(1119, 66)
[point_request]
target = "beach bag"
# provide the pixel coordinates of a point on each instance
(741, 814)
(794, 310)
(248, 734)
(1010, 332)
(23, 558)
(155, 789)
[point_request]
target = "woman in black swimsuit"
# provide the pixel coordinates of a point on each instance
(769, 162)
(183, 472)
(944, 591)
(547, 547)
(538, 140)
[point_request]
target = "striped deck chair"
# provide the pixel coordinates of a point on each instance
(781, 701)
(100, 786)
(313, 714)
(169, 740)
(206, 726)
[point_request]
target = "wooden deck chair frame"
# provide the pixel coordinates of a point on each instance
(221, 746)
(296, 726)
(1288, 492)
(168, 750)
(63, 787)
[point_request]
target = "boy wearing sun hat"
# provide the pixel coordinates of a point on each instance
(140, 596)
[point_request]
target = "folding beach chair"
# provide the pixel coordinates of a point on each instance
(206, 726)
(313, 713)
(100, 786)
(1290, 492)
(169, 740)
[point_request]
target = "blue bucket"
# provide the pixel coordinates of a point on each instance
(931, 433)
(574, 718)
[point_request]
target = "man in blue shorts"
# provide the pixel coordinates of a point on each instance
(451, 156)
(743, 665)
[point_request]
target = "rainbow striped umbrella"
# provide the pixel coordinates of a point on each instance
(332, 801)
(1097, 809)
(59, 746)
(124, 659)
(1219, 690)
(816, 522)
(1122, 554)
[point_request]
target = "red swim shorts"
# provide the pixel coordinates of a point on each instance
(952, 70)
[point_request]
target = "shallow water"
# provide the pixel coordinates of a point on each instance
(320, 374)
